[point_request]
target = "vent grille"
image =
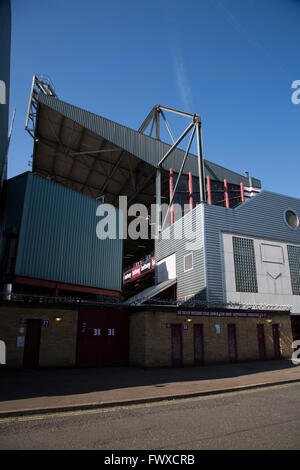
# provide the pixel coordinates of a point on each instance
(244, 265)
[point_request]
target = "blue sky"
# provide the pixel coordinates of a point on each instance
(231, 61)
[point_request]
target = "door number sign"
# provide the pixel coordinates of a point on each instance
(110, 332)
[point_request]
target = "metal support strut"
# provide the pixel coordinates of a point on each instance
(195, 127)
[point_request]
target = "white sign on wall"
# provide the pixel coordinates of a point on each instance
(20, 341)
(2, 92)
(2, 352)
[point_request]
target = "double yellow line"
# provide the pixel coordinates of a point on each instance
(66, 414)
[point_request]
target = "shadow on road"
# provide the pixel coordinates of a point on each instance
(20, 384)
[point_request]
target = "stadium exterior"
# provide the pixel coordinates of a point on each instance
(219, 281)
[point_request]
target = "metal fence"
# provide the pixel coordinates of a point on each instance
(24, 298)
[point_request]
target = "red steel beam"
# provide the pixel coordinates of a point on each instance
(242, 192)
(208, 189)
(226, 193)
(61, 286)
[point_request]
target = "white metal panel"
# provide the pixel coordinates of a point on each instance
(166, 268)
(261, 217)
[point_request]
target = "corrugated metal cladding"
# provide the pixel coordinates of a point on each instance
(58, 239)
(262, 217)
(13, 200)
(192, 282)
(142, 146)
(12, 206)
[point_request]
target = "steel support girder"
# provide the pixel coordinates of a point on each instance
(176, 143)
(168, 127)
(158, 200)
(76, 158)
(200, 163)
(117, 163)
(92, 167)
(147, 121)
(180, 173)
(80, 162)
(142, 187)
(175, 111)
(127, 182)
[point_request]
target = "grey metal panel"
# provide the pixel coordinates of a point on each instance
(142, 146)
(262, 217)
(5, 38)
(58, 239)
(190, 283)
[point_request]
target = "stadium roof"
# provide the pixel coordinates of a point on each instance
(96, 156)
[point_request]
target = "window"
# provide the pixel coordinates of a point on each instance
(294, 262)
(271, 253)
(291, 219)
(188, 262)
(244, 265)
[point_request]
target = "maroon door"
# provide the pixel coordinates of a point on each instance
(276, 341)
(261, 342)
(295, 322)
(102, 337)
(198, 345)
(32, 344)
(176, 345)
(232, 347)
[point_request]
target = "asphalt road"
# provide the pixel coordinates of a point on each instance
(266, 418)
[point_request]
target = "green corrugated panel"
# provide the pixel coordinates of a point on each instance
(58, 239)
(13, 199)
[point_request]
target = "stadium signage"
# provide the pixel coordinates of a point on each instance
(137, 271)
(188, 313)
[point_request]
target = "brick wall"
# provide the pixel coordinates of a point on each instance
(58, 340)
(150, 339)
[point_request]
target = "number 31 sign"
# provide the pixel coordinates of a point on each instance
(110, 332)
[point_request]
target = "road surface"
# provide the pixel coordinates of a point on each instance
(267, 418)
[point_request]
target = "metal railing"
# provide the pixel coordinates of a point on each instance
(25, 298)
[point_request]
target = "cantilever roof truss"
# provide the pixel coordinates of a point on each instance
(99, 157)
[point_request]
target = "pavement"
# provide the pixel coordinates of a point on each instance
(29, 392)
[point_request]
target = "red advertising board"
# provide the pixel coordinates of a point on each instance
(139, 270)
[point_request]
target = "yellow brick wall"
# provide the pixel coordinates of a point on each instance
(137, 339)
(149, 340)
(152, 340)
(58, 340)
